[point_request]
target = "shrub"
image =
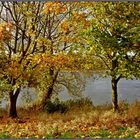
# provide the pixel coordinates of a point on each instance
(79, 103)
(62, 107)
(55, 106)
(4, 135)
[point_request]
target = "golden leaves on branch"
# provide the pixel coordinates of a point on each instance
(61, 61)
(65, 26)
(81, 18)
(13, 69)
(47, 60)
(5, 31)
(54, 7)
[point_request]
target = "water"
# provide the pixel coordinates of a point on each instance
(99, 91)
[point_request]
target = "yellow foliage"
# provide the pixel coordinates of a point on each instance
(65, 26)
(54, 7)
(13, 69)
(5, 31)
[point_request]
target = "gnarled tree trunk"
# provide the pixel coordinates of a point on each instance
(13, 100)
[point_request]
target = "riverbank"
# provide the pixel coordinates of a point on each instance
(81, 120)
(99, 91)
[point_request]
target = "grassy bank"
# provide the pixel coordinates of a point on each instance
(80, 119)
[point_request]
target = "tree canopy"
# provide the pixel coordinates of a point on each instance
(40, 41)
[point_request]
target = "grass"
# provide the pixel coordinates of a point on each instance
(81, 120)
(4, 135)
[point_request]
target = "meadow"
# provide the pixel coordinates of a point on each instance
(73, 119)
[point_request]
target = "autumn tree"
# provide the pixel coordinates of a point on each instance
(113, 38)
(24, 18)
(63, 34)
(36, 48)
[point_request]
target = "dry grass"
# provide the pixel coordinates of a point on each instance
(86, 121)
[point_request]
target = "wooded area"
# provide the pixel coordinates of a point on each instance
(48, 45)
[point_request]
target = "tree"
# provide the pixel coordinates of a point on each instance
(22, 48)
(113, 38)
(36, 48)
(63, 34)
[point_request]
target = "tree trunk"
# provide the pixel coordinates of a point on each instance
(49, 92)
(114, 95)
(13, 100)
(13, 111)
(47, 96)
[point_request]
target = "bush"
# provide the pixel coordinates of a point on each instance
(79, 103)
(63, 107)
(55, 106)
(4, 135)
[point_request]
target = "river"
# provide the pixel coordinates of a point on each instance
(99, 91)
